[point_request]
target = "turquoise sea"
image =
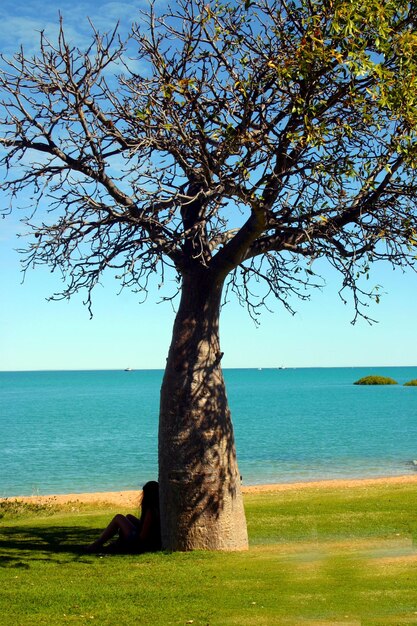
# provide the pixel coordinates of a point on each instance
(97, 430)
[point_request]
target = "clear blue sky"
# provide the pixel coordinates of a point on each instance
(36, 334)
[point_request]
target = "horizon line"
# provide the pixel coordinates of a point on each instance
(161, 369)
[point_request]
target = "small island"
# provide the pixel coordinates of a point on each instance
(376, 380)
(411, 383)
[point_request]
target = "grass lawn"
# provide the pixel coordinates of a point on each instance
(328, 555)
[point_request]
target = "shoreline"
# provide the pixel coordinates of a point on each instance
(131, 499)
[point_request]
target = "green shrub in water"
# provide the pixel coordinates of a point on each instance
(411, 383)
(376, 380)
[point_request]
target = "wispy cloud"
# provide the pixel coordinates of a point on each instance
(22, 21)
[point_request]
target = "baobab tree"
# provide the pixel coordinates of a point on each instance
(257, 137)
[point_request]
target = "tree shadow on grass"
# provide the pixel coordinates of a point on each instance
(20, 545)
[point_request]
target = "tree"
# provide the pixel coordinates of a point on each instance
(257, 137)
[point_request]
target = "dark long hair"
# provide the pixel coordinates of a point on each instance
(150, 497)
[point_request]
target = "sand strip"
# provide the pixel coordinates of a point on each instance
(129, 499)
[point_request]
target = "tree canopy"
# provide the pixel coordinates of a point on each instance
(254, 138)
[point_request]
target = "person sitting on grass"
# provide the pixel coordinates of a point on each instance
(135, 535)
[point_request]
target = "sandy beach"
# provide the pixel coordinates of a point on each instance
(129, 499)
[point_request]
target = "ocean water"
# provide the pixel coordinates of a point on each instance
(82, 431)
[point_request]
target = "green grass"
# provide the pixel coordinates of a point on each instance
(317, 556)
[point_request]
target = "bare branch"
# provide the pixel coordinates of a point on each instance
(254, 138)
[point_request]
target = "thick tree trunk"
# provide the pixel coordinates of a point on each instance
(201, 502)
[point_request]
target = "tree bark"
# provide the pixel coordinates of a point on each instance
(201, 501)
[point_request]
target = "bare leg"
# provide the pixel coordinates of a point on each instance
(119, 524)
